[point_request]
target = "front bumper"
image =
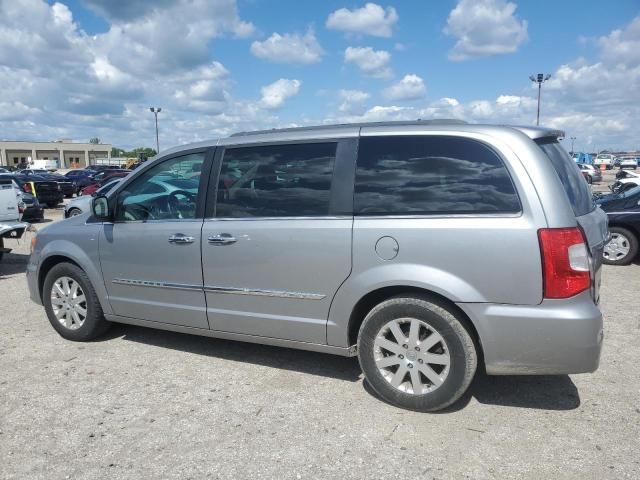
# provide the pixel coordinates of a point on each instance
(555, 337)
(32, 281)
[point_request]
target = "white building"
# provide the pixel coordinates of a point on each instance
(66, 153)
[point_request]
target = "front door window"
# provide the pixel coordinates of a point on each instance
(167, 191)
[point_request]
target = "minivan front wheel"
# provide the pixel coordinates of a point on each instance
(416, 354)
(72, 305)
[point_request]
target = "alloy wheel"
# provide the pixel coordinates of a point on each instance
(68, 303)
(412, 356)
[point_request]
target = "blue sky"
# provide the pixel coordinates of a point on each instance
(92, 67)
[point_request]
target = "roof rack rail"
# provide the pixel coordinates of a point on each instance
(441, 121)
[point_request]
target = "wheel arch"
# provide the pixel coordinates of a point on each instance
(61, 251)
(375, 297)
(627, 226)
(48, 264)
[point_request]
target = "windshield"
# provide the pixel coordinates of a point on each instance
(631, 192)
(575, 187)
(107, 187)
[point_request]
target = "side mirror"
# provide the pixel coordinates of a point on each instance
(100, 208)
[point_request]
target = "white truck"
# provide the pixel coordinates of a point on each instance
(605, 159)
(11, 208)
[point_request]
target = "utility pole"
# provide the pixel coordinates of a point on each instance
(573, 139)
(540, 78)
(156, 111)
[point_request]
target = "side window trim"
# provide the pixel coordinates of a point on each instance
(340, 194)
(204, 181)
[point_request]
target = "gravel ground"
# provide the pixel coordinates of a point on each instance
(153, 404)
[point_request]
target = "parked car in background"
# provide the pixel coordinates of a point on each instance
(11, 208)
(629, 162)
(82, 178)
(623, 212)
(605, 159)
(354, 240)
(99, 168)
(590, 173)
(108, 172)
(4, 170)
(82, 204)
(47, 191)
(620, 174)
(624, 184)
(93, 187)
(67, 185)
(33, 211)
(34, 171)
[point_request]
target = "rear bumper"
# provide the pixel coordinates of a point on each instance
(555, 337)
(33, 213)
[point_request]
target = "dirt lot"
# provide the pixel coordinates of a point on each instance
(152, 404)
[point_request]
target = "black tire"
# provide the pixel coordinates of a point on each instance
(94, 324)
(628, 238)
(1, 247)
(52, 204)
(74, 211)
(458, 342)
(69, 195)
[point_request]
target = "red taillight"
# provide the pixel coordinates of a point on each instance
(565, 262)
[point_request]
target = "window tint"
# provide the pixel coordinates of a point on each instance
(155, 195)
(430, 175)
(574, 185)
(276, 181)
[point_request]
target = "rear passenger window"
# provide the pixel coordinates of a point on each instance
(414, 175)
(577, 190)
(276, 180)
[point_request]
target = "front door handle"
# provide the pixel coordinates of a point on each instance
(222, 239)
(180, 238)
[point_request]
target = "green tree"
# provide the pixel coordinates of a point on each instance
(144, 151)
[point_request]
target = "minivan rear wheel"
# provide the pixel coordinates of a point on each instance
(622, 248)
(416, 353)
(72, 305)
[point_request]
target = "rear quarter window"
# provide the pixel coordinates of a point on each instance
(431, 175)
(575, 187)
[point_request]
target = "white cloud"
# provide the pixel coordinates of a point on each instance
(484, 28)
(373, 63)
(275, 94)
(622, 46)
(289, 48)
(371, 19)
(353, 101)
(411, 87)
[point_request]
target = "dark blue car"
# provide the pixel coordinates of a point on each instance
(623, 211)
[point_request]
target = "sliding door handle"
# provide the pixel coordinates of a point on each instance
(181, 238)
(222, 239)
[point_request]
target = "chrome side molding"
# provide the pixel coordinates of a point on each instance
(215, 289)
(153, 284)
(263, 293)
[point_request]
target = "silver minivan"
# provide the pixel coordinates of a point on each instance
(429, 249)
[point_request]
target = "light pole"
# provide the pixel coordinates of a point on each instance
(573, 139)
(156, 111)
(539, 79)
